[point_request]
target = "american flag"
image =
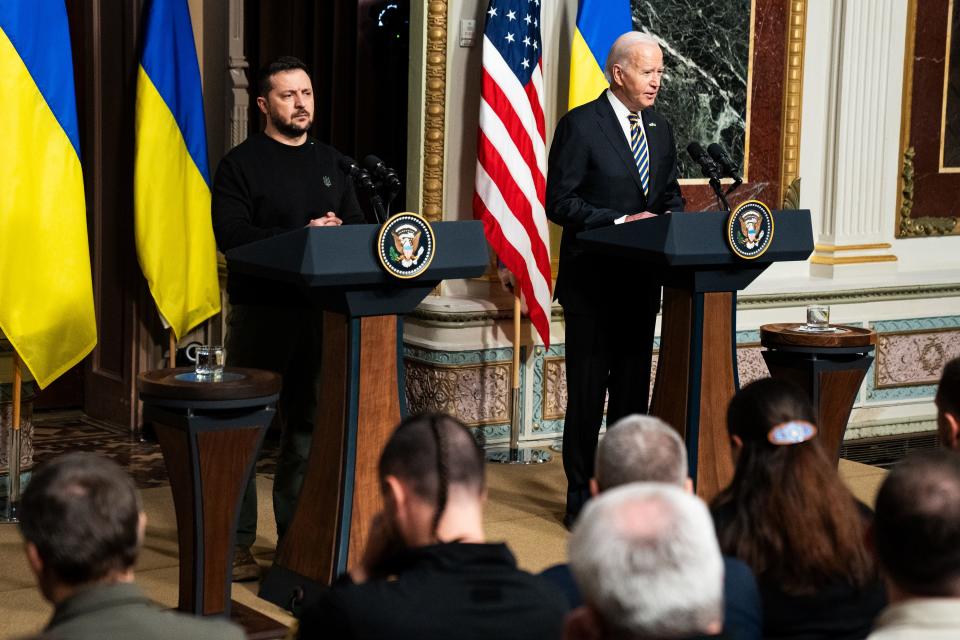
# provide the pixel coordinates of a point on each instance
(511, 152)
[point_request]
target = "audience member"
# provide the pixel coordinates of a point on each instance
(448, 582)
(649, 566)
(915, 536)
(948, 405)
(83, 526)
(641, 448)
(788, 515)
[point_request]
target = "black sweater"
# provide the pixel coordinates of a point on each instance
(263, 188)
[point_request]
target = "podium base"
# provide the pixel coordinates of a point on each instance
(520, 455)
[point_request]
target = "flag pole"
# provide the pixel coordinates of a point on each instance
(172, 359)
(515, 454)
(13, 451)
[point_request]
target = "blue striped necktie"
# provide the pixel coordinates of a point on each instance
(638, 145)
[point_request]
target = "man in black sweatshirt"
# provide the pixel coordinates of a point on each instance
(274, 182)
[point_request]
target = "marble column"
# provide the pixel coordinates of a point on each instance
(861, 71)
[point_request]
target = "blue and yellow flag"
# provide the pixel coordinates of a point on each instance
(46, 295)
(599, 23)
(171, 190)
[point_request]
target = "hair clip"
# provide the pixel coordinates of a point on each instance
(793, 432)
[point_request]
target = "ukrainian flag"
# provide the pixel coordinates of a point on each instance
(46, 295)
(174, 233)
(599, 23)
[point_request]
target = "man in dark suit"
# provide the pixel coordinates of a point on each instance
(612, 161)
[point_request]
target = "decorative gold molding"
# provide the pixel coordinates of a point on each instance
(908, 226)
(434, 103)
(792, 98)
(791, 199)
(851, 259)
(830, 248)
(946, 86)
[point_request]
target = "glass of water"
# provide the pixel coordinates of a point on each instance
(818, 317)
(209, 362)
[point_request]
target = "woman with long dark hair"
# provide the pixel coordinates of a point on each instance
(788, 515)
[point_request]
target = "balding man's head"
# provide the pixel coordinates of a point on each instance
(640, 448)
(917, 524)
(648, 563)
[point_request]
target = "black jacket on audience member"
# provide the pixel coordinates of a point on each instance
(443, 591)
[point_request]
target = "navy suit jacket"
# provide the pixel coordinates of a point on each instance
(742, 609)
(592, 180)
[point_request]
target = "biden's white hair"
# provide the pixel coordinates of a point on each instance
(647, 561)
(622, 47)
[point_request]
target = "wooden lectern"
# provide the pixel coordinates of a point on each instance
(697, 367)
(361, 389)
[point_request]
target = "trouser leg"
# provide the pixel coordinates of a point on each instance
(587, 367)
(631, 355)
(256, 338)
(303, 376)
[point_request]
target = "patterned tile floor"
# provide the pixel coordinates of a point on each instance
(56, 433)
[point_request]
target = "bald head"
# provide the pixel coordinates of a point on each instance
(917, 524)
(647, 561)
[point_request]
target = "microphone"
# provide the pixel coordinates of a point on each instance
(360, 176)
(725, 161)
(388, 176)
(707, 165)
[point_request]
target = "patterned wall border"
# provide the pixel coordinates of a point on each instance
(485, 433)
(434, 108)
(538, 423)
(910, 391)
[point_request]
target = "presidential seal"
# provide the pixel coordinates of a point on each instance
(405, 245)
(750, 229)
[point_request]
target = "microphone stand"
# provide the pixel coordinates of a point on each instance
(721, 197)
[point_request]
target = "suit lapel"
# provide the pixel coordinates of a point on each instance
(607, 120)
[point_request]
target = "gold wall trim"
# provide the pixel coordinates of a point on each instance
(851, 259)
(830, 248)
(434, 109)
(793, 95)
(946, 86)
(907, 226)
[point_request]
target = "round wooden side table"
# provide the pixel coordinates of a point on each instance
(830, 366)
(209, 433)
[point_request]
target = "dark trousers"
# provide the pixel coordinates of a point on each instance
(289, 342)
(606, 351)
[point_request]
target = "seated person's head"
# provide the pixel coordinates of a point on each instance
(640, 448)
(786, 494)
(647, 561)
(432, 477)
(82, 523)
(948, 405)
(916, 530)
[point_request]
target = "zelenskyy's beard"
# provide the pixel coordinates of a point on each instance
(289, 129)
